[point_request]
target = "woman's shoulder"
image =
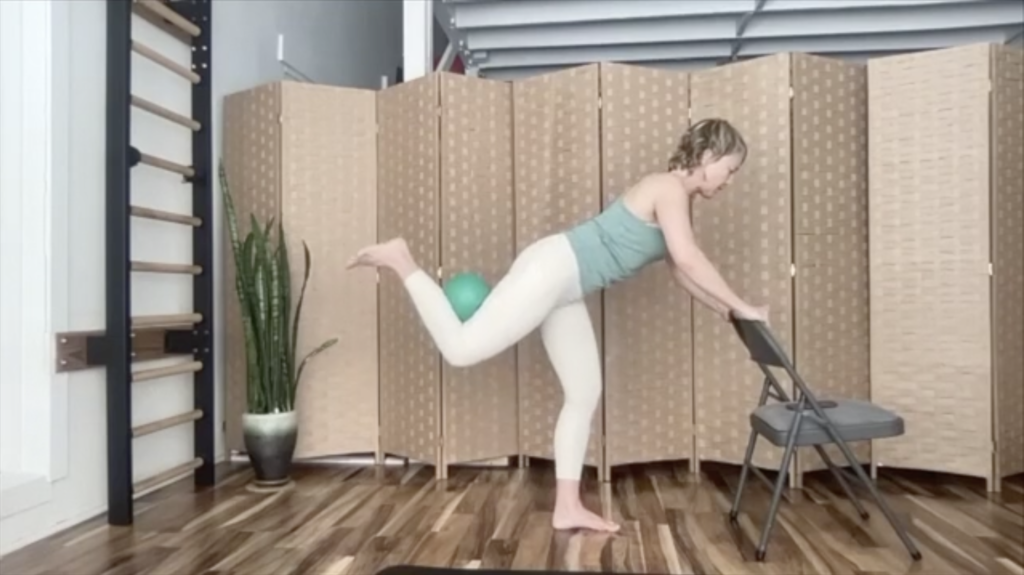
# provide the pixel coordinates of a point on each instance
(646, 193)
(656, 184)
(663, 179)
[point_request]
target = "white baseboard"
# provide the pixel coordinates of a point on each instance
(26, 493)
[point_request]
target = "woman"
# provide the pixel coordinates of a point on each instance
(547, 282)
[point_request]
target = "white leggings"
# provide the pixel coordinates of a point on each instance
(542, 288)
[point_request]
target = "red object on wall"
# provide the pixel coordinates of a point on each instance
(457, 66)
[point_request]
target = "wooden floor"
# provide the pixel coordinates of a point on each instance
(355, 521)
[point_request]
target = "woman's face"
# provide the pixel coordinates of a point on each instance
(717, 172)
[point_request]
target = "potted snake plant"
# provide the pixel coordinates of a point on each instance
(272, 374)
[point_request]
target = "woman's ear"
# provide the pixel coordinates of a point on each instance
(707, 158)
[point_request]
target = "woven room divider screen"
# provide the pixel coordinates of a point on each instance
(790, 233)
(445, 151)
(558, 182)
(315, 173)
(947, 258)
(648, 337)
(470, 171)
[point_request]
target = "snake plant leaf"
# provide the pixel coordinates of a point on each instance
(263, 283)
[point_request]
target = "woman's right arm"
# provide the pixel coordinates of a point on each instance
(698, 294)
(673, 212)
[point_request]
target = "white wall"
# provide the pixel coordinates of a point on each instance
(10, 237)
(323, 39)
(29, 398)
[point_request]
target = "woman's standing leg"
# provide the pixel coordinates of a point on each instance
(571, 345)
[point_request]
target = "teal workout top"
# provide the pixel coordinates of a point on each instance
(613, 246)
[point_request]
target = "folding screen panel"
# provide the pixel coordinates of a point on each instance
(329, 175)
(477, 235)
(830, 233)
(931, 306)
(305, 155)
(557, 184)
(1008, 254)
(408, 204)
(747, 232)
(647, 320)
(252, 160)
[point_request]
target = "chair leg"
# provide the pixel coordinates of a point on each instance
(780, 484)
(744, 473)
(842, 481)
(897, 525)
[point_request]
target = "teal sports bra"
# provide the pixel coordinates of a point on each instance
(613, 246)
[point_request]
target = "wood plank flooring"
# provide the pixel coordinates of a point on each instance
(356, 521)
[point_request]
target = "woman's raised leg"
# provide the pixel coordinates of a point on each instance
(571, 345)
(533, 286)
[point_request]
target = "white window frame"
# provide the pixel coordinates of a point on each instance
(417, 39)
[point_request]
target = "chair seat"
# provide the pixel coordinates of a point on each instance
(855, 420)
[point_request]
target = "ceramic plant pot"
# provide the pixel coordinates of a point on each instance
(270, 443)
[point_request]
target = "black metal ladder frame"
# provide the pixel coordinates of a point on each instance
(121, 157)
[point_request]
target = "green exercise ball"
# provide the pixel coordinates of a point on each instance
(466, 292)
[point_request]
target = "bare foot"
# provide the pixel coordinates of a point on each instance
(582, 518)
(393, 254)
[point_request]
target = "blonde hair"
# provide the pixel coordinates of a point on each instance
(713, 135)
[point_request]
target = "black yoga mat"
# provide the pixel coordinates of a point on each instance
(413, 570)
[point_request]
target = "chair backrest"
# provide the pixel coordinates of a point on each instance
(766, 350)
(761, 343)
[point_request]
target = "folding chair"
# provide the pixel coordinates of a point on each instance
(809, 422)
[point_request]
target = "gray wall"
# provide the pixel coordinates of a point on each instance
(343, 42)
(440, 39)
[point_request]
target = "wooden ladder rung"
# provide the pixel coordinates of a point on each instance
(160, 215)
(175, 472)
(166, 423)
(161, 268)
(165, 113)
(158, 372)
(167, 320)
(159, 8)
(164, 61)
(168, 165)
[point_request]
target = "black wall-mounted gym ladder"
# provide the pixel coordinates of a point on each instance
(187, 336)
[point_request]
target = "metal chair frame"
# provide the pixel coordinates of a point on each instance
(766, 351)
